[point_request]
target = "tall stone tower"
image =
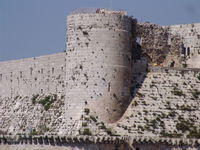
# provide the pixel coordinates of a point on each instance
(98, 61)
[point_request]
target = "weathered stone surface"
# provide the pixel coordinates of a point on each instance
(83, 92)
(190, 36)
(170, 46)
(166, 104)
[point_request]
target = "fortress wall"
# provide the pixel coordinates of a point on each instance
(21, 111)
(95, 73)
(166, 104)
(98, 147)
(98, 143)
(165, 45)
(190, 34)
(38, 75)
(154, 41)
(88, 146)
(158, 146)
(99, 59)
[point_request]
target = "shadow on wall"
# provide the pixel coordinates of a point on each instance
(139, 70)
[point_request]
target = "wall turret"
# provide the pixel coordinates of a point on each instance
(99, 53)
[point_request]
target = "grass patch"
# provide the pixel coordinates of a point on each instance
(177, 92)
(184, 65)
(171, 135)
(47, 101)
(198, 76)
(93, 118)
(87, 131)
(195, 93)
(34, 132)
(87, 111)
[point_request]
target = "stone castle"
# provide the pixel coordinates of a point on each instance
(120, 85)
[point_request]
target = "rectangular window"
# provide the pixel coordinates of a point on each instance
(109, 87)
(31, 71)
(20, 74)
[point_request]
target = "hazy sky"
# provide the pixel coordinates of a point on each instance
(37, 27)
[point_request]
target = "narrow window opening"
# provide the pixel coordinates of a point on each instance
(188, 51)
(31, 71)
(20, 74)
(109, 87)
(183, 50)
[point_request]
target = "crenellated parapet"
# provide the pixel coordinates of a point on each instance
(106, 143)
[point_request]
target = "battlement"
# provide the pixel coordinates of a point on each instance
(98, 10)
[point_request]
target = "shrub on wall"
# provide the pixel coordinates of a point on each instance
(34, 98)
(177, 92)
(198, 77)
(87, 131)
(46, 101)
(87, 111)
(195, 93)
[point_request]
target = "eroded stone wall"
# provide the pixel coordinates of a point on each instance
(162, 146)
(98, 147)
(166, 104)
(65, 93)
(155, 45)
(100, 47)
(170, 46)
(97, 143)
(32, 95)
(66, 147)
(190, 36)
(37, 75)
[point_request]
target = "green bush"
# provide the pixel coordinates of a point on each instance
(87, 111)
(195, 93)
(184, 65)
(110, 132)
(198, 76)
(87, 131)
(102, 126)
(172, 114)
(183, 125)
(177, 92)
(84, 124)
(34, 98)
(47, 101)
(34, 132)
(185, 107)
(16, 97)
(93, 118)
(140, 95)
(171, 135)
(194, 133)
(135, 103)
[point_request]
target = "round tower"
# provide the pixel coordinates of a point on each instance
(98, 61)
